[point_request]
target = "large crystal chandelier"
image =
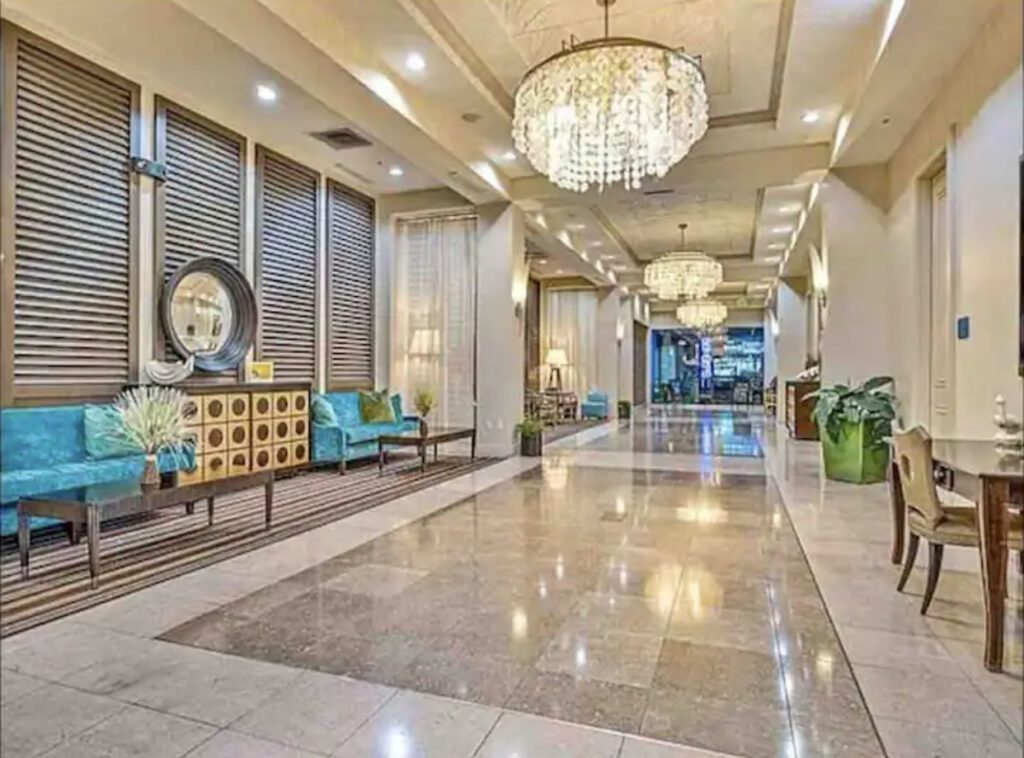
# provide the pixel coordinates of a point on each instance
(610, 110)
(683, 273)
(701, 314)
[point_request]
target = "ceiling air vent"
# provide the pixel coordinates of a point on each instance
(341, 139)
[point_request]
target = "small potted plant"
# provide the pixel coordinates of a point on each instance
(855, 425)
(152, 419)
(625, 409)
(424, 402)
(531, 437)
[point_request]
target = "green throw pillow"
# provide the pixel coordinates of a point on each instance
(376, 408)
(102, 434)
(323, 412)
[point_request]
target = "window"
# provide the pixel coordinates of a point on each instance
(200, 207)
(286, 253)
(350, 250)
(69, 207)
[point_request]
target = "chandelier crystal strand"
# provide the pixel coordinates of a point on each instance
(610, 110)
(701, 314)
(683, 274)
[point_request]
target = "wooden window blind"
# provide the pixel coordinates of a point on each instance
(286, 239)
(350, 262)
(200, 207)
(69, 208)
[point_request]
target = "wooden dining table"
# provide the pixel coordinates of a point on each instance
(995, 482)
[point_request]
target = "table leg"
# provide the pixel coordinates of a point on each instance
(423, 457)
(435, 453)
(190, 508)
(992, 527)
(472, 448)
(24, 538)
(209, 511)
(268, 503)
(92, 527)
(899, 512)
(380, 458)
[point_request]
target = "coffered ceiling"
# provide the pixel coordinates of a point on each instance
(780, 74)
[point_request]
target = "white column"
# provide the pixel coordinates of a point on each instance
(607, 346)
(791, 346)
(148, 303)
(501, 278)
(625, 349)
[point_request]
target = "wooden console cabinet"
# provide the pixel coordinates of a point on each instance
(248, 427)
(798, 410)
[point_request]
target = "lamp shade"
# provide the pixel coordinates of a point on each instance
(556, 357)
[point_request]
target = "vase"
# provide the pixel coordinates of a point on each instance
(424, 429)
(531, 445)
(150, 473)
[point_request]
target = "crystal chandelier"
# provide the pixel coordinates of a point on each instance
(683, 273)
(701, 314)
(610, 110)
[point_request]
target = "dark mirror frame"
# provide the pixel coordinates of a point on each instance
(244, 318)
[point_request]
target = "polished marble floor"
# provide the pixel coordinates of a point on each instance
(681, 601)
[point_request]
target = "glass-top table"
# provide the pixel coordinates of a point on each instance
(433, 437)
(92, 505)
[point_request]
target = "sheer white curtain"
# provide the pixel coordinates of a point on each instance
(433, 330)
(570, 323)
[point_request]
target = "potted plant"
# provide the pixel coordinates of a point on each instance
(855, 424)
(152, 419)
(625, 408)
(423, 402)
(531, 437)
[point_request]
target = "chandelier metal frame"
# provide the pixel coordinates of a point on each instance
(632, 109)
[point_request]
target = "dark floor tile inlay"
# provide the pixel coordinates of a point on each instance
(690, 615)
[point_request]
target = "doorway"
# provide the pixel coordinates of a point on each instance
(942, 311)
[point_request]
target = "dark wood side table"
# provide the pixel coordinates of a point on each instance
(435, 436)
(977, 471)
(97, 503)
(798, 410)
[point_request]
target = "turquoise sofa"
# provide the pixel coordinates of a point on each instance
(351, 439)
(595, 405)
(43, 450)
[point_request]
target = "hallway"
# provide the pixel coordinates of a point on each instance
(646, 579)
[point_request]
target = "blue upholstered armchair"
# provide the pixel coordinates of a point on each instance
(595, 405)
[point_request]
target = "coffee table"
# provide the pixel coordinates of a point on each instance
(434, 437)
(97, 503)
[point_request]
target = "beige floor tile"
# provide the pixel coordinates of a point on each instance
(420, 725)
(228, 744)
(912, 740)
(518, 734)
(317, 712)
(14, 685)
(136, 733)
(47, 717)
(636, 747)
(375, 580)
(899, 651)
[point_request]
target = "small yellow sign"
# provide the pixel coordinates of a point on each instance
(261, 371)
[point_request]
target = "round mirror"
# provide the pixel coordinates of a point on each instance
(209, 311)
(201, 313)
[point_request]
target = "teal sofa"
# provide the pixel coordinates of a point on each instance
(43, 450)
(351, 439)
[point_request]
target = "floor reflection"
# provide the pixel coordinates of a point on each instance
(674, 605)
(701, 431)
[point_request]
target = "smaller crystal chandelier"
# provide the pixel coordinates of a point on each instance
(701, 314)
(683, 273)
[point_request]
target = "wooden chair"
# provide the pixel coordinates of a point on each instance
(927, 517)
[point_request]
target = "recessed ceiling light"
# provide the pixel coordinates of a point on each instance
(773, 259)
(542, 261)
(811, 117)
(575, 226)
(782, 229)
(396, 171)
(559, 271)
(789, 209)
(509, 155)
(415, 62)
(266, 93)
(776, 246)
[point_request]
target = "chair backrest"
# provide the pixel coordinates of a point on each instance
(913, 450)
(596, 396)
(38, 437)
(346, 408)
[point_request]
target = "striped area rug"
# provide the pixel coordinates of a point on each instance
(152, 548)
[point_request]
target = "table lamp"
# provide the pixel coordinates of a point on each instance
(556, 358)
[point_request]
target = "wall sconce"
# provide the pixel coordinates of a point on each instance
(519, 297)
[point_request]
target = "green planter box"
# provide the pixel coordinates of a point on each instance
(851, 458)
